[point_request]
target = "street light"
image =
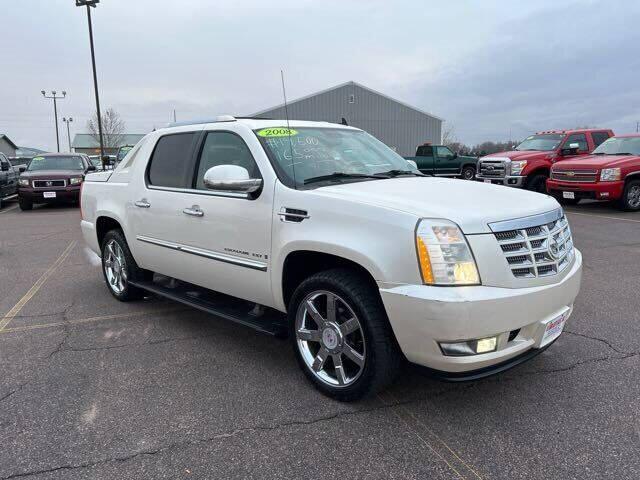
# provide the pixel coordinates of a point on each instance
(92, 4)
(55, 109)
(68, 121)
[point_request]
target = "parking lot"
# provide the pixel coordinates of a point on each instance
(95, 388)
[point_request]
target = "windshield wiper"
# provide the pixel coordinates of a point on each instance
(397, 172)
(339, 175)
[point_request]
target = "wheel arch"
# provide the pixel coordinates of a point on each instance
(104, 224)
(301, 263)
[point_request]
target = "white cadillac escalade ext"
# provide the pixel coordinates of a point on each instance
(321, 232)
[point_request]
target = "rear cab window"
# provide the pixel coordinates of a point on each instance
(171, 163)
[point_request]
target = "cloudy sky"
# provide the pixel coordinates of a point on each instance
(490, 68)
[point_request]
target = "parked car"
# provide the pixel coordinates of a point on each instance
(324, 232)
(8, 179)
(20, 161)
(96, 161)
(440, 160)
(52, 178)
(612, 172)
(122, 152)
(529, 164)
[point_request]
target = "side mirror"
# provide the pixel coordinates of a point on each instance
(455, 155)
(5, 167)
(231, 178)
(413, 164)
(91, 168)
(22, 168)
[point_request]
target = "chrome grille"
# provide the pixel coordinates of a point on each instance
(585, 176)
(492, 168)
(538, 251)
(49, 183)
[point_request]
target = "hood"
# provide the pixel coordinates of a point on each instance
(52, 174)
(517, 155)
(472, 205)
(598, 161)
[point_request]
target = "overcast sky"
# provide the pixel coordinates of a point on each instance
(490, 68)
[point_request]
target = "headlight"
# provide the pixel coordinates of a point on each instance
(444, 254)
(23, 182)
(610, 174)
(75, 181)
(518, 166)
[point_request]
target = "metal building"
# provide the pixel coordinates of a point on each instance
(399, 125)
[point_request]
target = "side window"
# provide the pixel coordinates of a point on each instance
(444, 152)
(424, 151)
(3, 161)
(580, 139)
(224, 148)
(171, 161)
(599, 137)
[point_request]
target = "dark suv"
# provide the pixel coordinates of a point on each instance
(52, 178)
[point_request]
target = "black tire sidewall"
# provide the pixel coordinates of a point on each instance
(366, 383)
(625, 196)
(129, 292)
(467, 169)
(539, 179)
(24, 204)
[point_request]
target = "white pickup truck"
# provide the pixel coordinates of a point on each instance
(321, 233)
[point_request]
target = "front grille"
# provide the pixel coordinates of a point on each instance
(492, 168)
(585, 176)
(537, 251)
(49, 183)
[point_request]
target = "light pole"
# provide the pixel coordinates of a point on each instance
(92, 4)
(68, 121)
(55, 110)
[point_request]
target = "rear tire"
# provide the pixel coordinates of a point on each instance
(25, 204)
(630, 200)
(119, 266)
(468, 172)
(352, 352)
(538, 183)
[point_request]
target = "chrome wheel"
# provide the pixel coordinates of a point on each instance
(633, 196)
(115, 267)
(330, 338)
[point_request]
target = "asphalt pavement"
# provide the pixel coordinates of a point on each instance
(92, 388)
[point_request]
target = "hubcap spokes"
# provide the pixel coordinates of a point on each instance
(330, 338)
(115, 267)
(634, 197)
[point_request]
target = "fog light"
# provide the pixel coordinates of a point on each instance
(471, 347)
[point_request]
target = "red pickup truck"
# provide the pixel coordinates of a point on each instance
(528, 166)
(612, 172)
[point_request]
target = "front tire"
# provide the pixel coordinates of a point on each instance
(25, 204)
(341, 335)
(469, 172)
(118, 267)
(538, 183)
(630, 200)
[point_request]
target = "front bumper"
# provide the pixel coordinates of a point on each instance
(66, 194)
(422, 316)
(594, 191)
(510, 180)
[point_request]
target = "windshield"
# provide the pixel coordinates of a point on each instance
(545, 142)
(616, 146)
(56, 163)
(316, 152)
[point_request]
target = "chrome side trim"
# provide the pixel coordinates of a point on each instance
(216, 193)
(526, 222)
(200, 252)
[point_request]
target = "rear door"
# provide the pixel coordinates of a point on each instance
(446, 162)
(581, 140)
(424, 158)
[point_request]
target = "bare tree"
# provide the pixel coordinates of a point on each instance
(449, 135)
(113, 128)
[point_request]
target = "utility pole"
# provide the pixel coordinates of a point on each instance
(68, 121)
(92, 4)
(55, 97)
(637, 127)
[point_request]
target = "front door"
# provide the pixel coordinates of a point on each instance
(446, 162)
(424, 158)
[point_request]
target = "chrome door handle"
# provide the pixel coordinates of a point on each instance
(142, 203)
(194, 211)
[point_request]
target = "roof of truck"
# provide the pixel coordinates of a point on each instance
(255, 123)
(572, 130)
